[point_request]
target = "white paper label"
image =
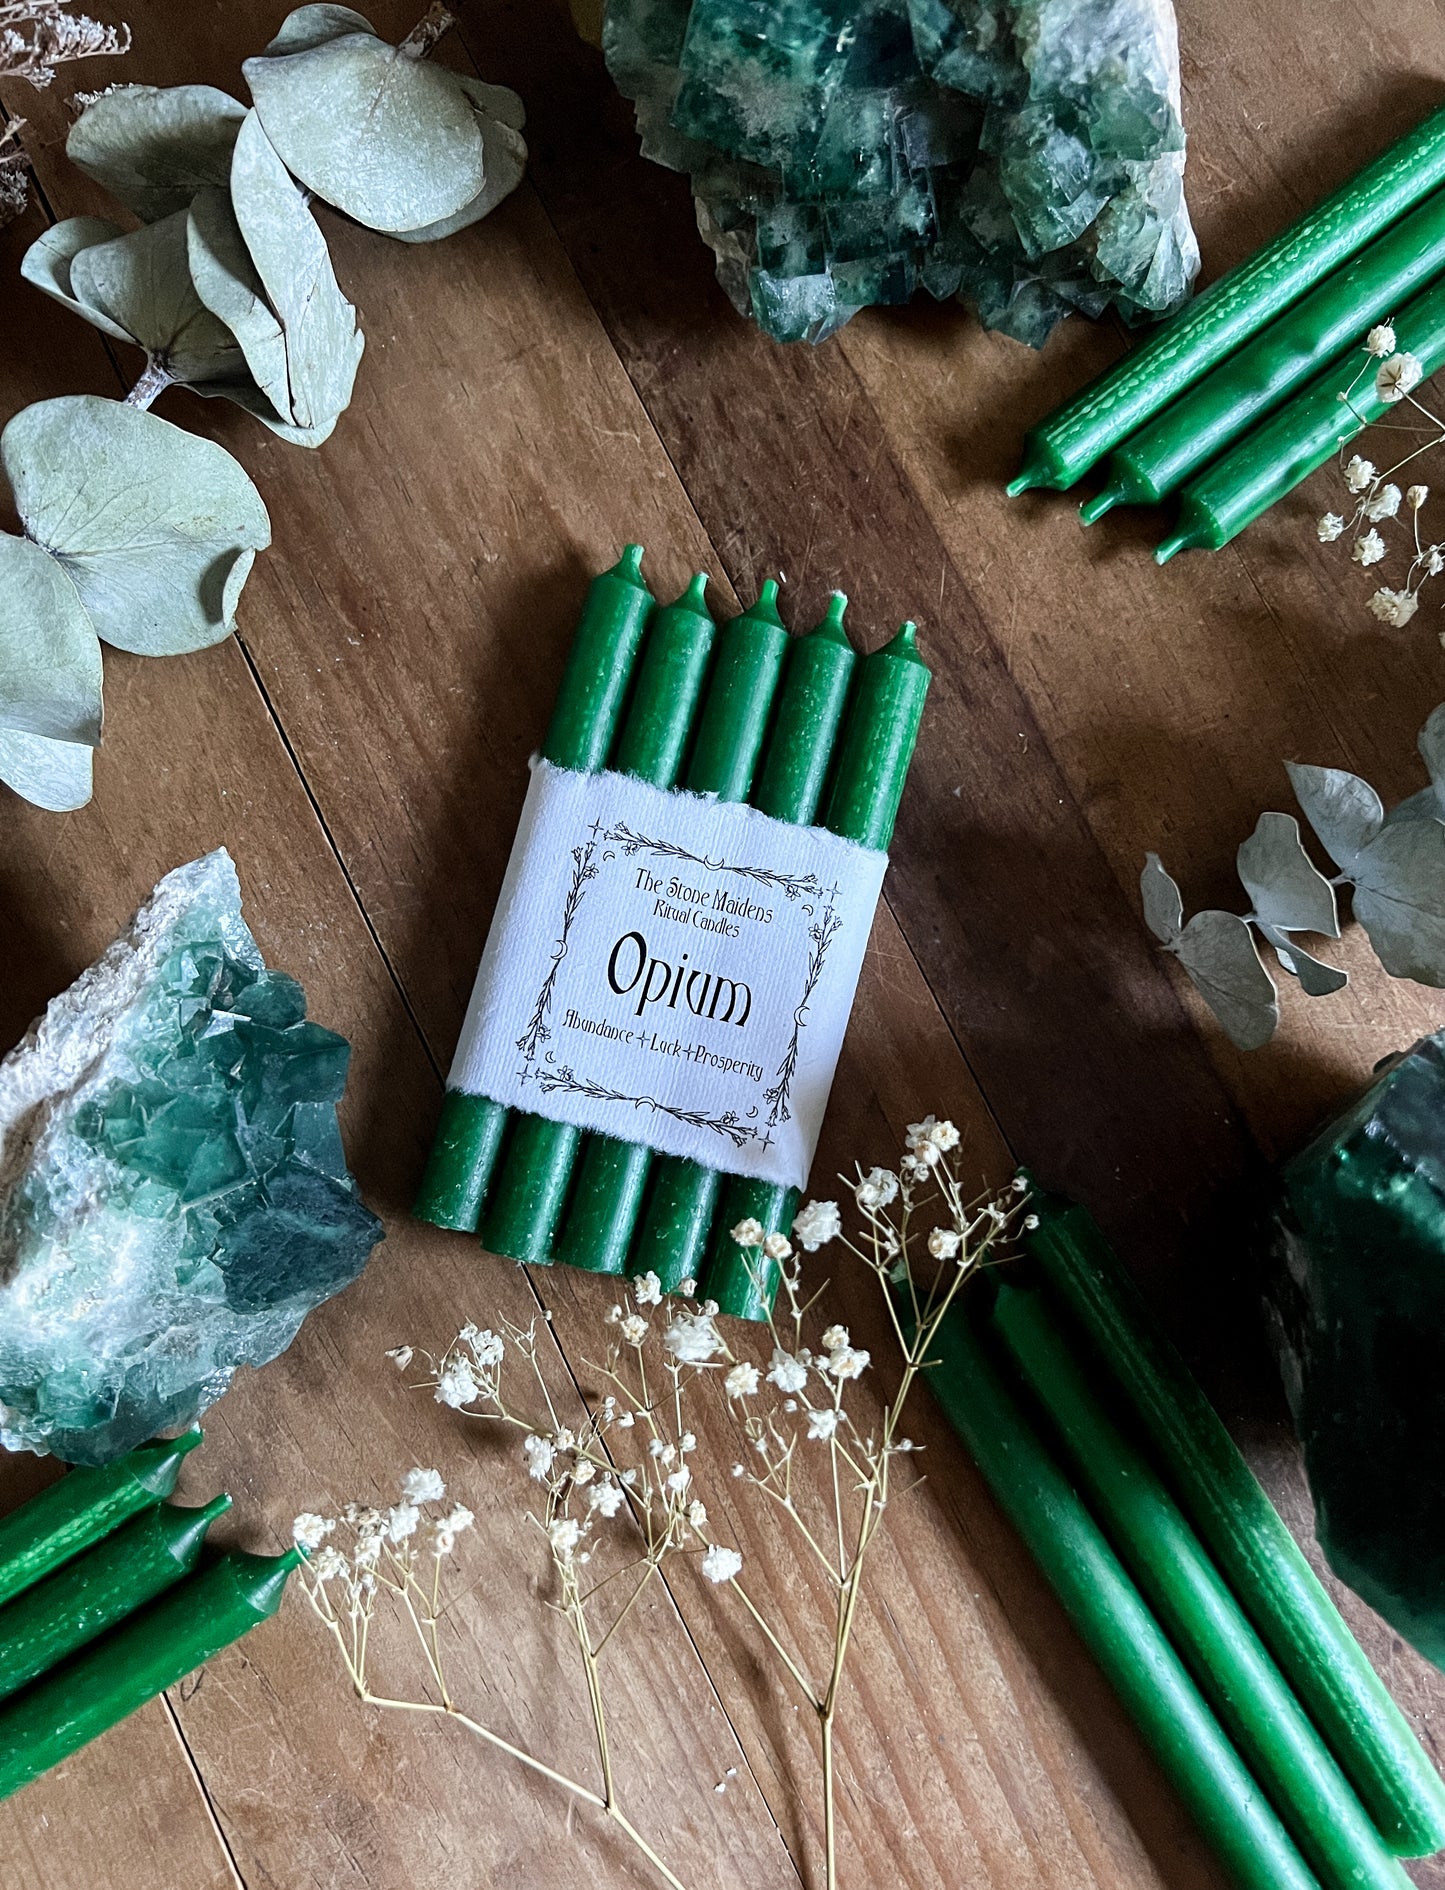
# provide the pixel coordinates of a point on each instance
(672, 970)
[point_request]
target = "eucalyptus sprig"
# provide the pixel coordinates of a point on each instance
(1393, 863)
(135, 533)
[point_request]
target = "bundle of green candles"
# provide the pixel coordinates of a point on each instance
(798, 727)
(104, 1603)
(1234, 401)
(1180, 1576)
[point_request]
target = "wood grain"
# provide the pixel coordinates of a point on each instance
(561, 378)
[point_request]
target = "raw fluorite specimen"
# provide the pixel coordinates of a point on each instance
(1025, 155)
(173, 1193)
(1358, 1307)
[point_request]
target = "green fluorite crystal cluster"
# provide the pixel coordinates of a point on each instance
(1025, 155)
(174, 1197)
(1358, 1309)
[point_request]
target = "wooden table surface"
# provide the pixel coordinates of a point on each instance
(557, 380)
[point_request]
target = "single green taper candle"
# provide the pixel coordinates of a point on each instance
(1110, 1615)
(612, 1174)
(1275, 1585)
(870, 769)
(113, 1676)
(84, 1506)
(1062, 448)
(98, 1589)
(1271, 461)
(1274, 1735)
(1333, 318)
(525, 1202)
(672, 1240)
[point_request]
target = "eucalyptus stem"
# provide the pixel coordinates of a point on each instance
(428, 30)
(153, 382)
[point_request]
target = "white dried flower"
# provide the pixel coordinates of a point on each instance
(1329, 528)
(1031, 1222)
(309, 1530)
(487, 1345)
(1434, 560)
(1398, 376)
(401, 1356)
(367, 1552)
(835, 1337)
(647, 1290)
(786, 1372)
(1416, 496)
(662, 1450)
(1395, 608)
(330, 1565)
(564, 1535)
(687, 1442)
(816, 1224)
(693, 1339)
(541, 1454)
(720, 1564)
(443, 1540)
(877, 1189)
(1384, 504)
(457, 1385)
(1380, 341)
(748, 1233)
(777, 1246)
(847, 1362)
(605, 1499)
(1359, 473)
(678, 1481)
(365, 1520)
(422, 1486)
(741, 1381)
(401, 1522)
(822, 1424)
(696, 1514)
(1369, 549)
(583, 1470)
(944, 1243)
(626, 1421)
(458, 1519)
(740, 1470)
(634, 1328)
(687, 1288)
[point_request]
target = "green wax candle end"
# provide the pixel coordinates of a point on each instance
(694, 598)
(629, 565)
(767, 605)
(1094, 509)
(217, 1506)
(903, 643)
(1180, 541)
(294, 1556)
(831, 625)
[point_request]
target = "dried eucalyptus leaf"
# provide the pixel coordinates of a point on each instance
(1316, 978)
(50, 667)
(494, 101)
(1432, 748)
(1345, 812)
(505, 152)
(141, 282)
(54, 775)
(155, 528)
(1163, 905)
(47, 263)
(1287, 889)
(154, 147)
(323, 344)
(1399, 882)
(227, 283)
(384, 136)
(313, 26)
(1422, 806)
(248, 396)
(1217, 950)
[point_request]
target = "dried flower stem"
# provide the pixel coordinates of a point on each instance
(428, 30)
(36, 36)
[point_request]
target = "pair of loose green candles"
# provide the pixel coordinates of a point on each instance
(1234, 401)
(799, 727)
(1237, 1668)
(103, 1604)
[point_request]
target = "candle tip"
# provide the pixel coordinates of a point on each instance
(694, 598)
(1181, 541)
(830, 625)
(767, 604)
(904, 642)
(629, 565)
(217, 1506)
(1021, 482)
(1094, 509)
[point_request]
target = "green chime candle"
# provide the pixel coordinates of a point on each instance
(1271, 461)
(612, 1174)
(1216, 411)
(1196, 1609)
(95, 1591)
(811, 701)
(1062, 448)
(673, 1236)
(1110, 1615)
(82, 1507)
(1256, 1553)
(521, 1215)
(190, 1624)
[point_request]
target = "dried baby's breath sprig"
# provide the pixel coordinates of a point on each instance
(36, 36)
(615, 1494)
(1375, 503)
